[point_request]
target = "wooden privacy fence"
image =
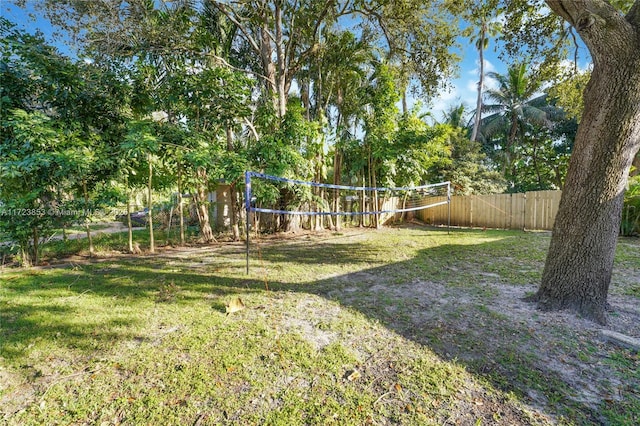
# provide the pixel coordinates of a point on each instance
(530, 210)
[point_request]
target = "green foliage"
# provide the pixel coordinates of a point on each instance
(481, 15)
(28, 161)
(528, 28)
(631, 210)
(527, 137)
(541, 162)
(467, 170)
(419, 151)
(380, 123)
(381, 98)
(418, 35)
(567, 93)
(209, 84)
(281, 154)
(61, 126)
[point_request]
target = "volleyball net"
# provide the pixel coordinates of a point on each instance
(273, 201)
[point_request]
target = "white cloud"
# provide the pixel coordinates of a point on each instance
(464, 91)
(449, 97)
(489, 83)
(488, 67)
(472, 86)
(568, 65)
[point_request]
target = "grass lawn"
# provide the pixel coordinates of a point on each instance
(406, 325)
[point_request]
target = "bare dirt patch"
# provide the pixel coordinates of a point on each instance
(489, 326)
(427, 326)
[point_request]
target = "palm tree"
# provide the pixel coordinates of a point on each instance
(456, 116)
(486, 29)
(516, 103)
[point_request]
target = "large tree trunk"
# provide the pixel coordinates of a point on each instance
(202, 208)
(266, 55)
(579, 263)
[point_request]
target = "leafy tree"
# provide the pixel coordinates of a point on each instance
(141, 149)
(415, 37)
(73, 148)
(344, 62)
(579, 263)
(281, 153)
(466, 166)
(567, 93)
(456, 116)
(272, 40)
(380, 125)
(443, 152)
(419, 151)
(27, 160)
(541, 162)
(179, 83)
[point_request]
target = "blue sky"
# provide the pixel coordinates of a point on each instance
(463, 88)
(23, 18)
(31, 21)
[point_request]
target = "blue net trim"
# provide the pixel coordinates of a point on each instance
(355, 188)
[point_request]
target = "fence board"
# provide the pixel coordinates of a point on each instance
(532, 210)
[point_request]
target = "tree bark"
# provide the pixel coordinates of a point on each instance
(129, 225)
(152, 244)
(36, 246)
(233, 199)
(202, 208)
(86, 225)
(337, 169)
(579, 263)
(282, 86)
(478, 115)
(180, 206)
(266, 55)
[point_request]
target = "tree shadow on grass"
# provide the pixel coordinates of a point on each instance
(442, 297)
(450, 298)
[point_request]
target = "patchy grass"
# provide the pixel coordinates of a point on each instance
(403, 325)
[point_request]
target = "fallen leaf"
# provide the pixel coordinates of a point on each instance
(234, 305)
(353, 375)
